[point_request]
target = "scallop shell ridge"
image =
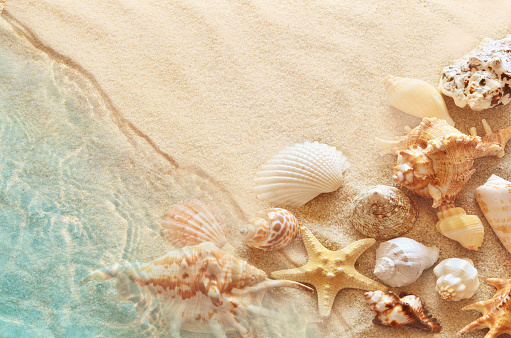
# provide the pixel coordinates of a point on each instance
(299, 173)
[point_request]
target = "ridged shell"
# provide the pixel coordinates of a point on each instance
(402, 260)
(198, 288)
(194, 222)
(383, 212)
(494, 199)
(435, 160)
(271, 229)
(416, 97)
(457, 278)
(454, 223)
(399, 311)
(299, 173)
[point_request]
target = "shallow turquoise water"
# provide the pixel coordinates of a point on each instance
(79, 189)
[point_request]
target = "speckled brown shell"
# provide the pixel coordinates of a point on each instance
(383, 212)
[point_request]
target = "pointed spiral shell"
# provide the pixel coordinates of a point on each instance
(194, 222)
(457, 278)
(271, 229)
(454, 223)
(299, 173)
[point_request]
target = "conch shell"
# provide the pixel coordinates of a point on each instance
(494, 199)
(457, 278)
(193, 222)
(399, 311)
(454, 223)
(383, 212)
(299, 173)
(416, 97)
(402, 260)
(271, 229)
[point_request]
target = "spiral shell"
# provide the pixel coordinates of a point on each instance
(457, 278)
(271, 229)
(454, 223)
(402, 260)
(193, 222)
(299, 173)
(383, 212)
(416, 97)
(494, 199)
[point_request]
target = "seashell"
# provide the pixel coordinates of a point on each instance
(416, 97)
(402, 260)
(270, 230)
(494, 199)
(299, 173)
(194, 222)
(197, 288)
(454, 223)
(457, 278)
(383, 212)
(481, 77)
(399, 311)
(435, 159)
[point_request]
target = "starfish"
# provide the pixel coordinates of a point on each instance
(330, 271)
(496, 311)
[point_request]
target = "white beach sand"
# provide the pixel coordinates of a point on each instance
(222, 86)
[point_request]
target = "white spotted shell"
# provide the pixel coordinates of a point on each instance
(416, 97)
(193, 222)
(402, 260)
(383, 212)
(271, 229)
(299, 173)
(457, 278)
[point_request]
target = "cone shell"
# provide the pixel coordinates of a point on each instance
(457, 278)
(194, 222)
(383, 212)
(392, 310)
(455, 224)
(270, 230)
(299, 173)
(494, 199)
(416, 97)
(402, 260)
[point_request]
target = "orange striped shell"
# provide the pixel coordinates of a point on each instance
(271, 229)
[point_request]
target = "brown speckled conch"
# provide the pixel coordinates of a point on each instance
(392, 310)
(496, 311)
(435, 160)
(197, 288)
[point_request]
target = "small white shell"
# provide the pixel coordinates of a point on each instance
(416, 97)
(402, 260)
(457, 278)
(383, 212)
(270, 230)
(194, 222)
(299, 173)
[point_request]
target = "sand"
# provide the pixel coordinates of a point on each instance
(219, 87)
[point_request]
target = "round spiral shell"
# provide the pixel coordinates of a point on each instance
(193, 222)
(271, 229)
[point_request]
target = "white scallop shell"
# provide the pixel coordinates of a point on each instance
(402, 260)
(494, 199)
(271, 229)
(194, 222)
(457, 278)
(299, 173)
(416, 97)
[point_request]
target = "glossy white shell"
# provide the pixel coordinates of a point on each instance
(299, 173)
(194, 222)
(416, 97)
(402, 260)
(494, 199)
(457, 278)
(270, 230)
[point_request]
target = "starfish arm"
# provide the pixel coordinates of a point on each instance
(312, 245)
(298, 275)
(356, 280)
(354, 250)
(482, 306)
(480, 322)
(498, 328)
(326, 298)
(499, 283)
